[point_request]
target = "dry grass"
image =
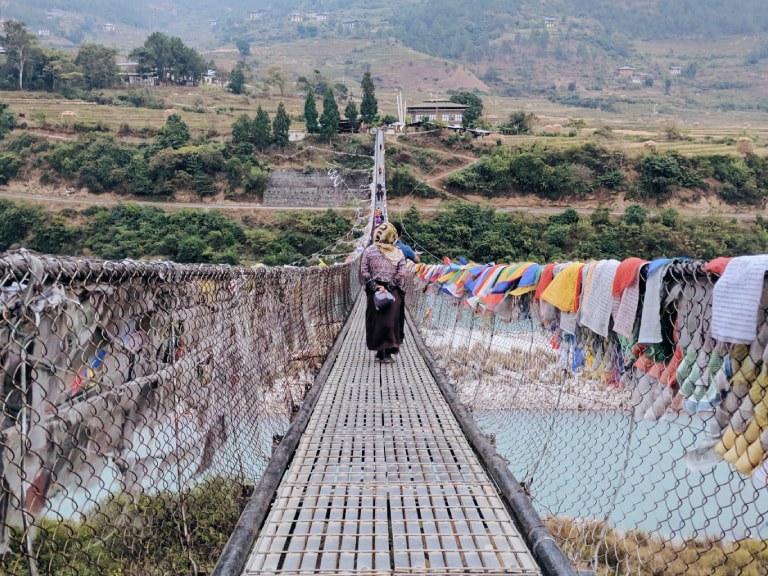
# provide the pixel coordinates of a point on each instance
(221, 108)
(633, 552)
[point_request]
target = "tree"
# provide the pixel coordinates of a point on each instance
(241, 129)
(330, 117)
(350, 113)
(154, 56)
(635, 214)
(99, 64)
(578, 124)
(519, 123)
(340, 91)
(658, 173)
(474, 110)
(168, 57)
(280, 126)
(275, 76)
(243, 47)
(318, 82)
(310, 111)
(175, 133)
(237, 80)
(17, 44)
(261, 127)
(369, 107)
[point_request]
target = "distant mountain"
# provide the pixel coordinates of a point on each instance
(444, 28)
(513, 46)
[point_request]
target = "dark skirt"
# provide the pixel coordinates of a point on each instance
(384, 328)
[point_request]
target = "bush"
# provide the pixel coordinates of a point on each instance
(22, 142)
(10, 164)
(659, 173)
(233, 170)
(400, 182)
(612, 180)
(82, 126)
(7, 120)
(256, 181)
(142, 99)
(17, 221)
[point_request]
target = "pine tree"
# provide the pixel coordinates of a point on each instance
(368, 107)
(261, 127)
(310, 112)
(241, 129)
(330, 117)
(350, 112)
(280, 126)
(236, 81)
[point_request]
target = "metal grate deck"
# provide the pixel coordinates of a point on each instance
(384, 482)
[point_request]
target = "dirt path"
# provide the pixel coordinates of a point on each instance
(46, 200)
(468, 161)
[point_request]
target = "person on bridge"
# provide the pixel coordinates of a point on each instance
(382, 268)
(408, 252)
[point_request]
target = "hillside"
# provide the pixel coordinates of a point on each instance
(702, 55)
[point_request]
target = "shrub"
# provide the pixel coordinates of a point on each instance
(10, 164)
(233, 170)
(256, 181)
(611, 180)
(400, 182)
(658, 173)
(22, 142)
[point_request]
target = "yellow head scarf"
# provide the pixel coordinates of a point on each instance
(384, 237)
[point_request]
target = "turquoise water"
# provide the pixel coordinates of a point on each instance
(580, 463)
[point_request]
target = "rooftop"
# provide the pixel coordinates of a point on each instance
(440, 104)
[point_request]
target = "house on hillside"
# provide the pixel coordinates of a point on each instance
(550, 23)
(675, 71)
(128, 75)
(214, 22)
(43, 32)
(321, 17)
(108, 27)
(625, 72)
(311, 15)
(257, 14)
(210, 78)
(296, 16)
(443, 110)
(349, 24)
(53, 13)
(139, 79)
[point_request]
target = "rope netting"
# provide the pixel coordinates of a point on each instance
(142, 400)
(645, 454)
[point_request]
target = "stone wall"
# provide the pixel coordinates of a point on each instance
(294, 188)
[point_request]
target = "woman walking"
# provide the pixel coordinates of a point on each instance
(383, 271)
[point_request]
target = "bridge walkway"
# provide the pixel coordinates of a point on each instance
(384, 481)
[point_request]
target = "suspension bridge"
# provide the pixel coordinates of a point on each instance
(174, 419)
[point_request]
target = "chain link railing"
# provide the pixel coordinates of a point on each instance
(643, 459)
(142, 400)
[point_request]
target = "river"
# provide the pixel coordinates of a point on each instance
(577, 464)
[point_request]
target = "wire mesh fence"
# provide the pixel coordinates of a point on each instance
(642, 458)
(142, 400)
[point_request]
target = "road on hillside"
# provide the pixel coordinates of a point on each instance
(241, 205)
